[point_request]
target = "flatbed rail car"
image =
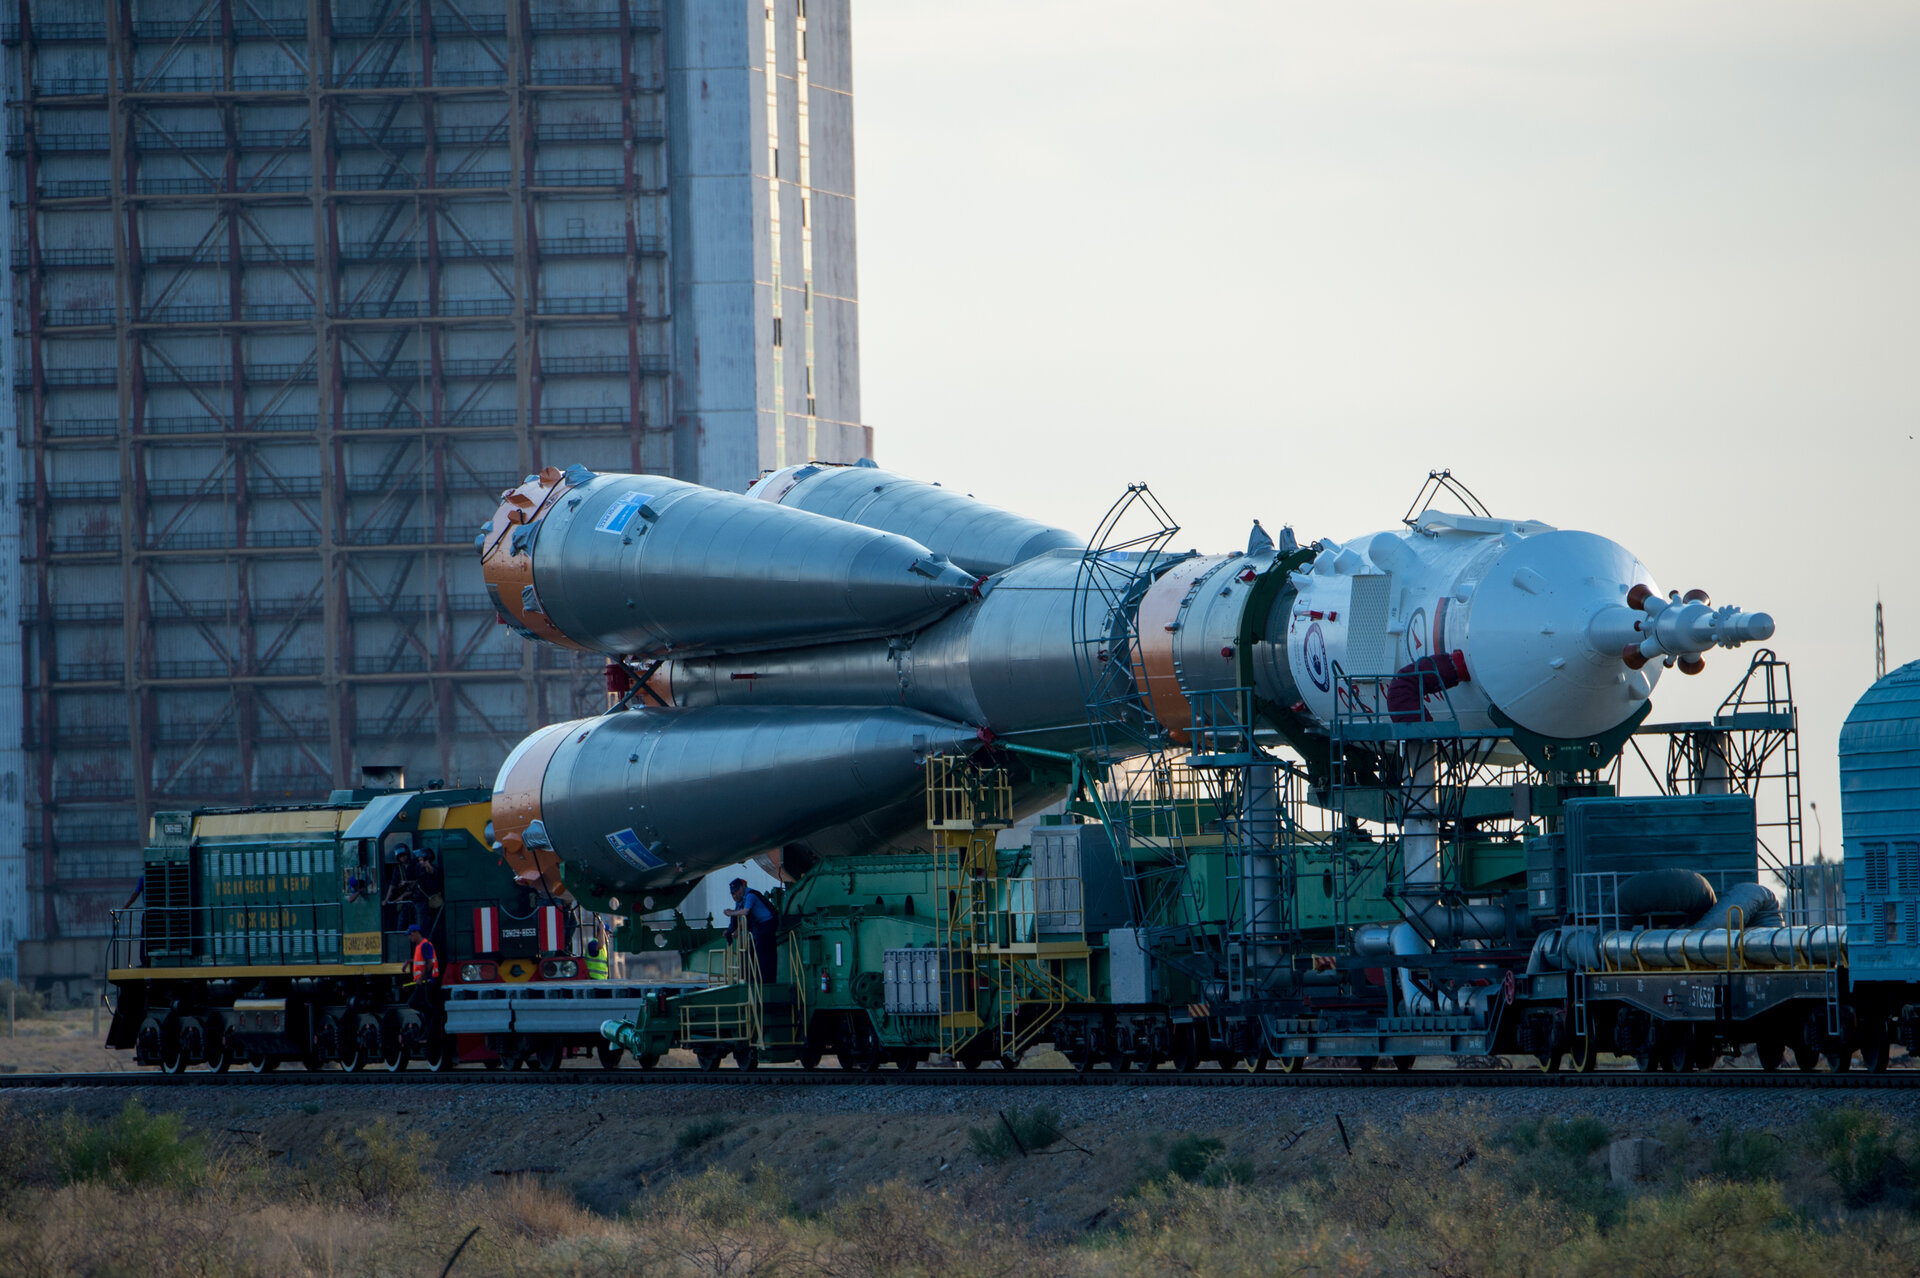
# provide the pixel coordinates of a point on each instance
(262, 940)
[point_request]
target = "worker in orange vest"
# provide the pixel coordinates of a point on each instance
(426, 971)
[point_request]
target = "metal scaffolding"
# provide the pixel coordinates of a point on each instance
(302, 286)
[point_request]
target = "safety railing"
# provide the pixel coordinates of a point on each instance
(963, 797)
(730, 1024)
(243, 934)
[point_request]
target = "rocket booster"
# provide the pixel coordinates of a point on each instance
(640, 565)
(862, 596)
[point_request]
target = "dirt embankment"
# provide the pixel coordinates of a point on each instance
(65, 1042)
(608, 1147)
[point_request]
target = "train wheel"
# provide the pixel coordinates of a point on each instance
(1288, 1064)
(1682, 1054)
(609, 1054)
(1186, 1050)
(905, 1059)
(746, 1058)
(1772, 1053)
(1119, 1062)
(709, 1058)
(262, 1063)
(548, 1055)
(443, 1055)
(395, 1055)
(1583, 1054)
(1367, 1063)
(648, 1059)
(221, 1059)
(173, 1057)
(810, 1057)
(1876, 1043)
(859, 1049)
(1404, 1063)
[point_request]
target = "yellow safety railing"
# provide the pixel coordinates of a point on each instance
(1034, 985)
(742, 1022)
(963, 797)
(964, 871)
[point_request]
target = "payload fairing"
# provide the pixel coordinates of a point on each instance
(808, 643)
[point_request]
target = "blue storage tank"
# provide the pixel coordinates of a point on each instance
(1880, 825)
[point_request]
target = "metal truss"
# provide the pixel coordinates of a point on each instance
(296, 413)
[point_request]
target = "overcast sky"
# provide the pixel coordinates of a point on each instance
(1649, 269)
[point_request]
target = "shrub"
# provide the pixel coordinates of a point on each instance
(720, 1225)
(901, 1229)
(1202, 1160)
(1015, 1131)
(133, 1148)
(1190, 1156)
(381, 1169)
(1578, 1137)
(1745, 1155)
(1708, 1228)
(1862, 1156)
(28, 1004)
(696, 1134)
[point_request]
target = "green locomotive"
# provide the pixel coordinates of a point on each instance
(267, 936)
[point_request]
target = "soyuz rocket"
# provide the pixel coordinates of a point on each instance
(805, 645)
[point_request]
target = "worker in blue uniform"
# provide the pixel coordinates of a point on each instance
(748, 904)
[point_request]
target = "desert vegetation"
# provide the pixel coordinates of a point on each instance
(1466, 1194)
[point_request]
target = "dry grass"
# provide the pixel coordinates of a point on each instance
(1449, 1196)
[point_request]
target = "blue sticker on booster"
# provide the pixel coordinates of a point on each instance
(621, 513)
(629, 847)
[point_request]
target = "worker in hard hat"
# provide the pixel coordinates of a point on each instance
(596, 961)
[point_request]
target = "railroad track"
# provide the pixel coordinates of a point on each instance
(776, 1077)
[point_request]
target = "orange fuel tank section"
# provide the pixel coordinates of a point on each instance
(1199, 624)
(1156, 668)
(516, 807)
(505, 564)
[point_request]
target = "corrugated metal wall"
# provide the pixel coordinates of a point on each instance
(15, 911)
(301, 286)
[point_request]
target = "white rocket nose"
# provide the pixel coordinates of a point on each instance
(1531, 629)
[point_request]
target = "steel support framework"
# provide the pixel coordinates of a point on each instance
(304, 286)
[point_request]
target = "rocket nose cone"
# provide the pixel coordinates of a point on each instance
(1527, 634)
(947, 578)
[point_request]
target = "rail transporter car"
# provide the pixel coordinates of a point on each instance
(1568, 920)
(1596, 922)
(263, 939)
